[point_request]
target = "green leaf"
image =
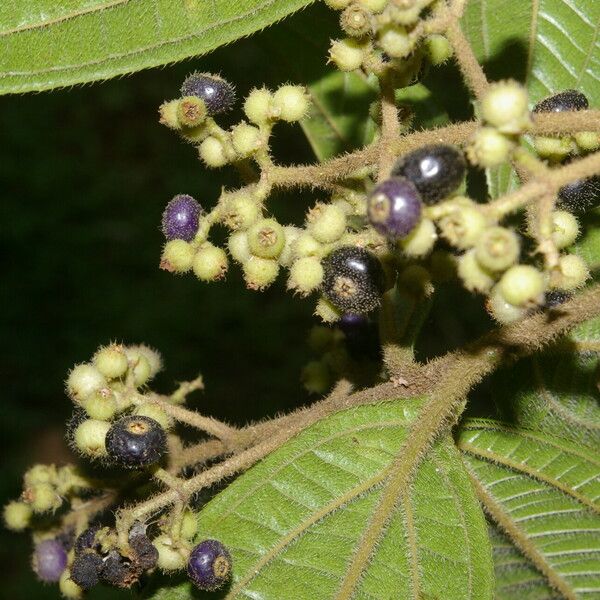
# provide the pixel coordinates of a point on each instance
(550, 45)
(46, 44)
(294, 522)
(543, 492)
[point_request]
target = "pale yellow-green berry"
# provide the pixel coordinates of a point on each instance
(395, 41)
(258, 105)
(141, 370)
(191, 111)
(111, 361)
(326, 311)
(245, 139)
(337, 4)
(375, 6)
(68, 588)
(168, 114)
(152, 356)
(405, 16)
(565, 228)
(42, 497)
(17, 515)
(501, 310)
(316, 377)
(523, 286)
(588, 141)
(154, 411)
(83, 381)
(348, 54)
(266, 238)
(438, 49)
(306, 245)
(497, 249)
(240, 209)
(189, 524)
(212, 152)
(554, 148)
(90, 437)
(463, 226)
(420, 241)
(172, 554)
(356, 21)
(489, 148)
(504, 106)
(101, 405)
(237, 244)
(290, 103)
(260, 273)
(570, 274)
(306, 275)
(40, 474)
(177, 256)
(474, 277)
(287, 254)
(326, 222)
(210, 263)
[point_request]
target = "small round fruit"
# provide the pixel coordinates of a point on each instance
(213, 152)
(394, 207)
(306, 275)
(489, 148)
(258, 105)
(475, 278)
(502, 311)
(209, 565)
(522, 285)
(420, 241)
(316, 377)
(326, 222)
(49, 560)
(217, 93)
(85, 570)
(68, 588)
(435, 170)
(172, 555)
(266, 238)
(463, 226)
(111, 361)
(191, 111)
(17, 515)
(504, 106)
(497, 249)
(356, 21)
(567, 100)
(348, 54)
(290, 103)
(361, 336)
(136, 441)
(570, 274)
(177, 256)
(354, 279)
(565, 228)
(83, 381)
(260, 273)
(395, 41)
(90, 437)
(210, 263)
(581, 195)
(180, 218)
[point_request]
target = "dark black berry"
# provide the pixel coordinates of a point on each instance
(394, 207)
(353, 280)
(435, 170)
(209, 566)
(136, 441)
(180, 218)
(49, 560)
(563, 101)
(581, 195)
(218, 94)
(86, 540)
(361, 337)
(144, 551)
(555, 298)
(85, 570)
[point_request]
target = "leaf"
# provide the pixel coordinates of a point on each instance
(46, 44)
(550, 45)
(544, 493)
(294, 522)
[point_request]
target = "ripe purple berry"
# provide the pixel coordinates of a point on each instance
(217, 93)
(435, 170)
(353, 279)
(394, 207)
(49, 560)
(581, 195)
(563, 101)
(209, 565)
(136, 441)
(180, 218)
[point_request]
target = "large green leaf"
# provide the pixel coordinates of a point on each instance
(550, 45)
(294, 522)
(46, 44)
(544, 493)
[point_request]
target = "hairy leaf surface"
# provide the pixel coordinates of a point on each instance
(294, 522)
(543, 492)
(46, 44)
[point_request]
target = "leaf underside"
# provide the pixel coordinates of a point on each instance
(294, 522)
(46, 44)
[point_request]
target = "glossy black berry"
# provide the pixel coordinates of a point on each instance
(85, 570)
(435, 170)
(581, 195)
(209, 565)
(353, 280)
(394, 207)
(136, 441)
(49, 560)
(218, 94)
(563, 101)
(361, 336)
(180, 218)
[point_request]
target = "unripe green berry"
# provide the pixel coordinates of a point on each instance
(420, 241)
(141, 370)
(210, 263)
(189, 524)
(316, 377)
(191, 111)
(155, 412)
(522, 285)
(266, 238)
(497, 249)
(395, 41)
(17, 515)
(588, 141)
(240, 209)
(565, 228)
(489, 148)
(292, 233)
(501, 310)
(177, 256)
(326, 311)
(42, 498)
(463, 226)
(348, 54)
(258, 105)
(68, 588)
(40, 474)
(245, 139)
(554, 148)
(168, 114)
(306, 275)
(570, 274)
(172, 554)
(83, 381)
(260, 273)
(337, 4)
(111, 361)
(375, 6)
(504, 106)
(356, 21)
(238, 246)
(326, 223)
(212, 152)
(152, 357)
(90, 437)
(474, 277)
(101, 405)
(438, 49)
(306, 245)
(290, 103)
(406, 16)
